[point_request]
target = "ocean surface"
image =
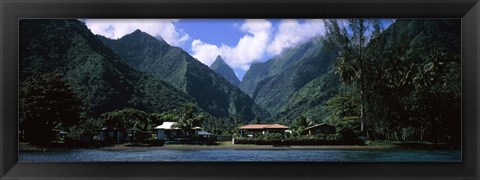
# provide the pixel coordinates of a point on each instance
(229, 155)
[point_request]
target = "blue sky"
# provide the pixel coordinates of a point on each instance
(240, 42)
(215, 31)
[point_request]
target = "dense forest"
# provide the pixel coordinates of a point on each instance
(401, 82)
(407, 78)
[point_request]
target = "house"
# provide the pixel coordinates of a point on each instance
(58, 134)
(138, 135)
(322, 128)
(253, 130)
(101, 134)
(109, 134)
(167, 132)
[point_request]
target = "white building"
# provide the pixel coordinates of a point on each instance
(166, 132)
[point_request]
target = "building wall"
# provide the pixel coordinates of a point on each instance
(161, 134)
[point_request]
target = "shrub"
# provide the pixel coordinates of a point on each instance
(297, 141)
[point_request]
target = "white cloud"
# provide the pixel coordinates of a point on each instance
(291, 32)
(255, 26)
(249, 48)
(117, 28)
(204, 52)
(258, 41)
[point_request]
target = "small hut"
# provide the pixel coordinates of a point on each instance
(323, 128)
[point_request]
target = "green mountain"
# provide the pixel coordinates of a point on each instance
(212, 92)
(222, 68)
(309, 100)
(264, 70)
(275, 81)
(98, 75)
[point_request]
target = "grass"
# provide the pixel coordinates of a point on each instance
(381, 143)
(411, 144)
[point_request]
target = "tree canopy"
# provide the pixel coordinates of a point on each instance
(47, 101)
(189, 118)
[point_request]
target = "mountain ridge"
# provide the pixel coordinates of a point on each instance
(273, 83)
(100, 77)
(213, 92)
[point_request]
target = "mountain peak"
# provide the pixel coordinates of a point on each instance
(143, 36)
(136, 34)
(223, 69)
(218, 62)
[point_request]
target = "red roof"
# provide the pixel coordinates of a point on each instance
(264, 126)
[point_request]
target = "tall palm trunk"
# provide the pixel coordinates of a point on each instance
(362, 106)
(361, 78)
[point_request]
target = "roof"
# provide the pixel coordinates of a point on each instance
(318, 125)
(169, 125)
(166, 125)
(59, 131)
(264, 126)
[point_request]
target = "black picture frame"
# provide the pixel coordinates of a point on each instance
(11, 11)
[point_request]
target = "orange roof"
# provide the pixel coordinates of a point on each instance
(264, 126)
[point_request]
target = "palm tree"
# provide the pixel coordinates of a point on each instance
(300, 123)
(255, 121)
(351, 37)
(189, 118)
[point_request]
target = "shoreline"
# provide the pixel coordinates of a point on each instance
(227, 146)
(223, 146)
(252, 147)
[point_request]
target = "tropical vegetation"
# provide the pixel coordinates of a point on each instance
(373, 83)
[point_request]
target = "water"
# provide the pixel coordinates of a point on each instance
(243, 155)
